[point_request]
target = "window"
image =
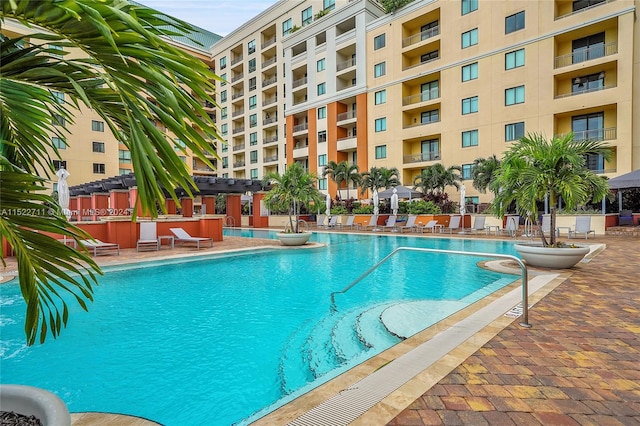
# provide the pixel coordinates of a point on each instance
(58, 120)
(307, 16)
(124, 156)
(380, 69)
(251, 46)
(514, 22)
(322, 89)
(322, 136)
(429, 91)
(469, 6)
(57, 49)
(97, 126)
(430, 116)
(469, 138)
(223, 112)
(322, 160)
(253, 157)
(253, 120)
(252, 65)
(253, 102)
(286, 27)
(588, 126)
(253, 138)
(381, 152)
(381, 124)
(98, 168)
(321, 65)
(124, 171)
(379, 41)
(329, 4)
(254, 173)
(470, 38)
(223, 62)
(470, 72)
(58, 96)
(513, 131)
(224, 79)
(586, 48)
(588, 83)
(429, 30)
(469, 105)
(223, 96)
(225, 175)
(225, 162)
(583, 4)
(381, 97)
(59, 142)
(431, 56)
(57, 164)
(322, 183)
(430, 149)
(225, 147)
(224, 129)
(322, 112)
(97, 146)
(466, 171)
(252, 83)
(513, 96)
(514, 59)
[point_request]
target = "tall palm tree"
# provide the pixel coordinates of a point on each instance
(130, 76)
(436, 178)
(336, 171)
(535, 167)
(379, 177)
(483, 172)
(290, 190)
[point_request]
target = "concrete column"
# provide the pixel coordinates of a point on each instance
(99, 205)
(259, 221)
(187, 207)
(234, 208)
(209, 204)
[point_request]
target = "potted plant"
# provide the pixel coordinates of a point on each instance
(288, 192)
(534, 168)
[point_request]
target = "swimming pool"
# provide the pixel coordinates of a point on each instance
(217, 339)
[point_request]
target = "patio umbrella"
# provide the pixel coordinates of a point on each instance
(328, 204)
(63, 191)
(394, 201)
(463, 207)
(376, 201)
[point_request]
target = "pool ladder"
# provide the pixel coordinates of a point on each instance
(523, 269)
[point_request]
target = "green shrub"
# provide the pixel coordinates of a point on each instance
(423, 207)
(363, 210)
(339, 210)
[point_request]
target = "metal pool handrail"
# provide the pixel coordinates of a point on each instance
(523, 268)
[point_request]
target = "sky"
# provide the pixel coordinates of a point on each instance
(220, 17)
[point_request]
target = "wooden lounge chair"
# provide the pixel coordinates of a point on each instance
(97, 247)
(183, 237)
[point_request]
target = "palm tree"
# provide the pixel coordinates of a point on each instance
(343, 172)
(483, 172)
(535, 167)
(352, 177)
(435, 178)
(379, 177)
(130, 76)
(290, 190)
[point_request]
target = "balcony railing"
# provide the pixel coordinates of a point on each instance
(300, 145)
(586, 90)
(346, 138)
(269, 61)
(269, 101)
(237, 95)
(271, 158)
(347, 115)
(236, 60)
(424, 156)
(269, 81)
(422, 123)
(604, 134)
(239, 163)
(346, 64)
(268, 42)
(237, 77)
(299, 82)
(269, 120)
(237, 112)
(421, 97)
(583, 55)
(238, 129)
(300, 127)
(239, 147)
(583, 9)
(270, 139)
(417, 38)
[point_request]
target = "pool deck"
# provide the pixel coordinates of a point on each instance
(577, 364)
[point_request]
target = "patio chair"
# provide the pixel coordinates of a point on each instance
(349, 223)
(373, 222)
(183, 237)
(148, 237)
(454, 223)
(478, 225)
(320, 220)
(432, 224)
(546, 226)
(98, 248)
(391, 223)
(625, 218)
(333, 222)
(582, 226)
(410, 225)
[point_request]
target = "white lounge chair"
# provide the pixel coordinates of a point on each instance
(183, 237)
(148, 237)
(98, 248)
(582, 226)
(432, 224)
(349, 223)
(373, 222)
(391, 223)
(333, 222)
(454, 223)
(320, 220)
(410, 225)
(478, 225)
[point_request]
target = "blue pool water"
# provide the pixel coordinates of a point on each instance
(223, 339)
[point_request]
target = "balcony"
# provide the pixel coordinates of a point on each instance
(238, 147)
(421, 97)
(270, 139)
(269, 120)
(236, 60)
(299, 82)
(237, 95)
(421, 123)
(237, 112)
(583, 55)
(418, 158)
(268, 42)
(269, 81)
(269, 101)
(604, 134)
(586, 90)
(348, 143)
(349, 115)
(424, 35)
(300, 127)
(238, 130)
(237, 77)
(583, 9)
(346, 64)
(270, 61)
(271, 158)
(239, 163)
